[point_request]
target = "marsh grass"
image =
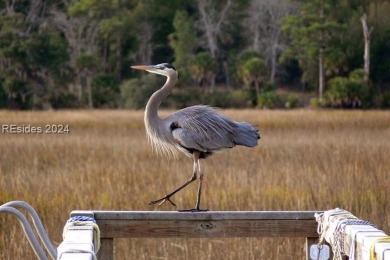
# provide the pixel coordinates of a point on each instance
(306, 160)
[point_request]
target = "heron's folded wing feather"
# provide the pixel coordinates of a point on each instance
(202, 128)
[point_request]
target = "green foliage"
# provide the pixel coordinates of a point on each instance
(246, 55)
(253, 70)
(184, 97)
(86, 61)
(47, 49)
(184, 42)
(315, 27)
(268, 86)
(17, 93)
(272, 99)
(105, 91)
(136, 92)
(351, 92)
(380, 61)
(216, 99)
(188, 96)
(315, 103)
(386, 100)
(63, 99)
(29, 64)
(51, 54)
(268, 99)
(240, 98)
(240, 61)
(203, 67)
(292, 101)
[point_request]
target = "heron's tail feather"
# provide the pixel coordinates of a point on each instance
(246, 134)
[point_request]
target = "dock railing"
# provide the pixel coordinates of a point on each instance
(208, 224)
(89, 232)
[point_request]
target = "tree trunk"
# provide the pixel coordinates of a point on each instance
(118, 58)
(88, 80)
(367, 34)
(273, 63)
(212, 83)
(212, 21)
(321, 78)
(79, 85)
(227, 76)
(257, 88)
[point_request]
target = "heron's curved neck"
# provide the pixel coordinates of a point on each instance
(151, 111)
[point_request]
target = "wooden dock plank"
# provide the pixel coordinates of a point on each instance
(205, 228)
(131, 224)
(206, 215)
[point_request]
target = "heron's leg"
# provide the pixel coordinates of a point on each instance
(169, 195)
(197, 207)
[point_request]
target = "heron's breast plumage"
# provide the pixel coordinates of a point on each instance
(160, 137)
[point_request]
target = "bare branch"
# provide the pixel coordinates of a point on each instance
(264, 31)
(211, 22)
(367, 39)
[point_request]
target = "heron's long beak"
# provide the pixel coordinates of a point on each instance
(142, 67)
(149, 68)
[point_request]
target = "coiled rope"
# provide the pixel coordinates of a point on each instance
(84, 221)
(331, 227)
(81, 221)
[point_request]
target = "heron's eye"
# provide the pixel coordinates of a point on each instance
(160, 67)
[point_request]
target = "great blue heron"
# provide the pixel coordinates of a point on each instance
(196, 131)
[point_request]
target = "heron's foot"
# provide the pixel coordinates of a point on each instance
(162, 200)
(193, 210)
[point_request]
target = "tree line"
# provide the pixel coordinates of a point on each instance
(229, 53)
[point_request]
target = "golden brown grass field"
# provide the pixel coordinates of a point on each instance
(306, 160)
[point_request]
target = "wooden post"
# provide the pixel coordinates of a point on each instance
(106, 251)
(310, 241)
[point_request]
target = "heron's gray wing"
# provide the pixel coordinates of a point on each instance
(202, 128)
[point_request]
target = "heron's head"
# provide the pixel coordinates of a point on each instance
(164, 69)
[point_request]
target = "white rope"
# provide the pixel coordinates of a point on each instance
(84, 221)
(331, 227)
